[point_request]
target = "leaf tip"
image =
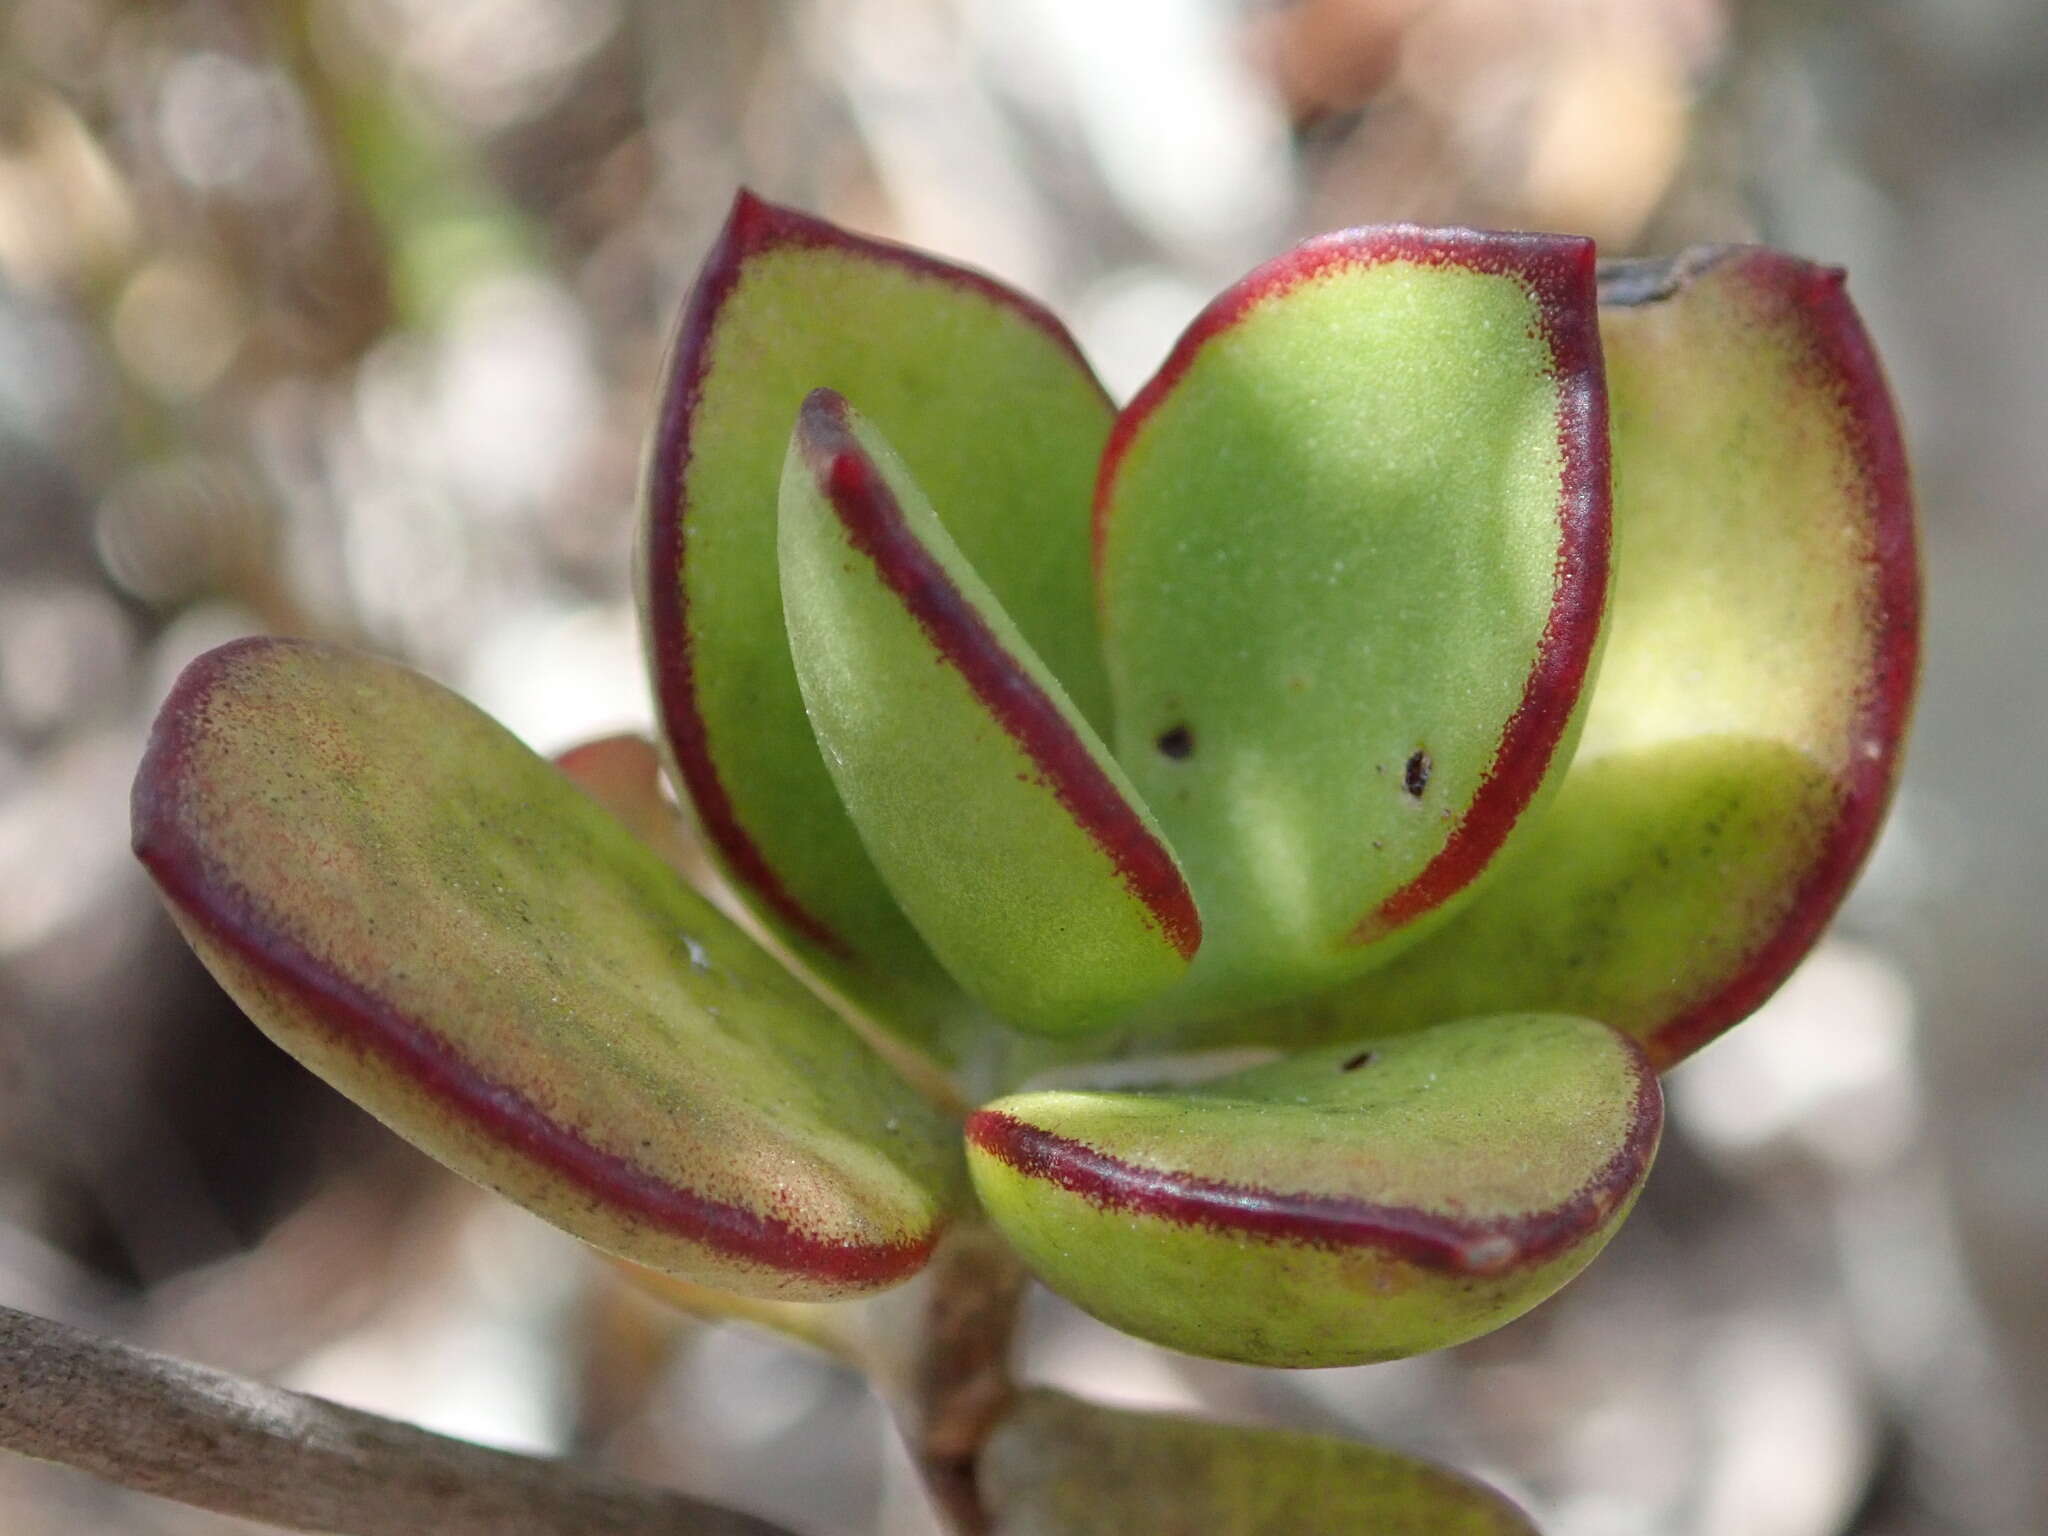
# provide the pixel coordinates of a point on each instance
(824, 432)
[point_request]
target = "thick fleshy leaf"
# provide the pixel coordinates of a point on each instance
(1057, 1466)
(1000, 420)
(1744, 736)
(994, 813)
(444, 927)
(1351, 555)
(1342, 1206)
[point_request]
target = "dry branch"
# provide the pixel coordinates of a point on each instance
(206, 1438)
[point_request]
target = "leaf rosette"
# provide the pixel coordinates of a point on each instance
(1469, 676)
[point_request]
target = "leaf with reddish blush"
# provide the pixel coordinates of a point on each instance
(999, 418)
(1346, 1205)
(1351, 557)
(623, 774)
(444, 927)
(1057, 1466)
(1744, 736)
(994, 813)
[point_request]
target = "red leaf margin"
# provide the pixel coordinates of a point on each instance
(1559, 273)
(753, 228)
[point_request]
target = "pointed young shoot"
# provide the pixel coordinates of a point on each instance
(1347, 1205)
(445, 928)
(998, 416)
(1351, 551)
(992, 810)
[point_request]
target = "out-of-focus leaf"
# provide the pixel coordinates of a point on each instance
(1342, 1206)
(623, 774)
(1352, 555)
(994, 813)
(1744, 735)
(441, 925)
(999, 419)
(1060, 1467)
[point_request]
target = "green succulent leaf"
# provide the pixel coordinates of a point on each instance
(994, 813)
(1347, 1205)
(1057, 1466)
(447, 929)
(1743, 740)
(999, 418)
(1351, 551)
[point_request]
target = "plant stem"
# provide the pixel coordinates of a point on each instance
(959, 1384)
(220, 1442)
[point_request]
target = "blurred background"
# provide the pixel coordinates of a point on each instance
(343, 318)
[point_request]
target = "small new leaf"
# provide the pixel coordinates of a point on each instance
(995, 814)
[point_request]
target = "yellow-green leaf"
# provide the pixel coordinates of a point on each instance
(1347, 1205)
(1057, 1466)
(1744, 736)
(998, 416)
(1352, 557)
(447, 929)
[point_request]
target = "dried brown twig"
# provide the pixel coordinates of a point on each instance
(238, 1447)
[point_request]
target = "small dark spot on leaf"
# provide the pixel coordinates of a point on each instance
(1362, 1059)
(1415, 777)
(1177, 743)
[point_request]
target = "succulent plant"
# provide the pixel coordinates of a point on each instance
(1464, 675)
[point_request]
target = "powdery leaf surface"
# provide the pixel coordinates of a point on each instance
(1744, 737)
(1346, 1205)
(448, 930)
(993, 811)
(1351, 549)
(999, 418)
